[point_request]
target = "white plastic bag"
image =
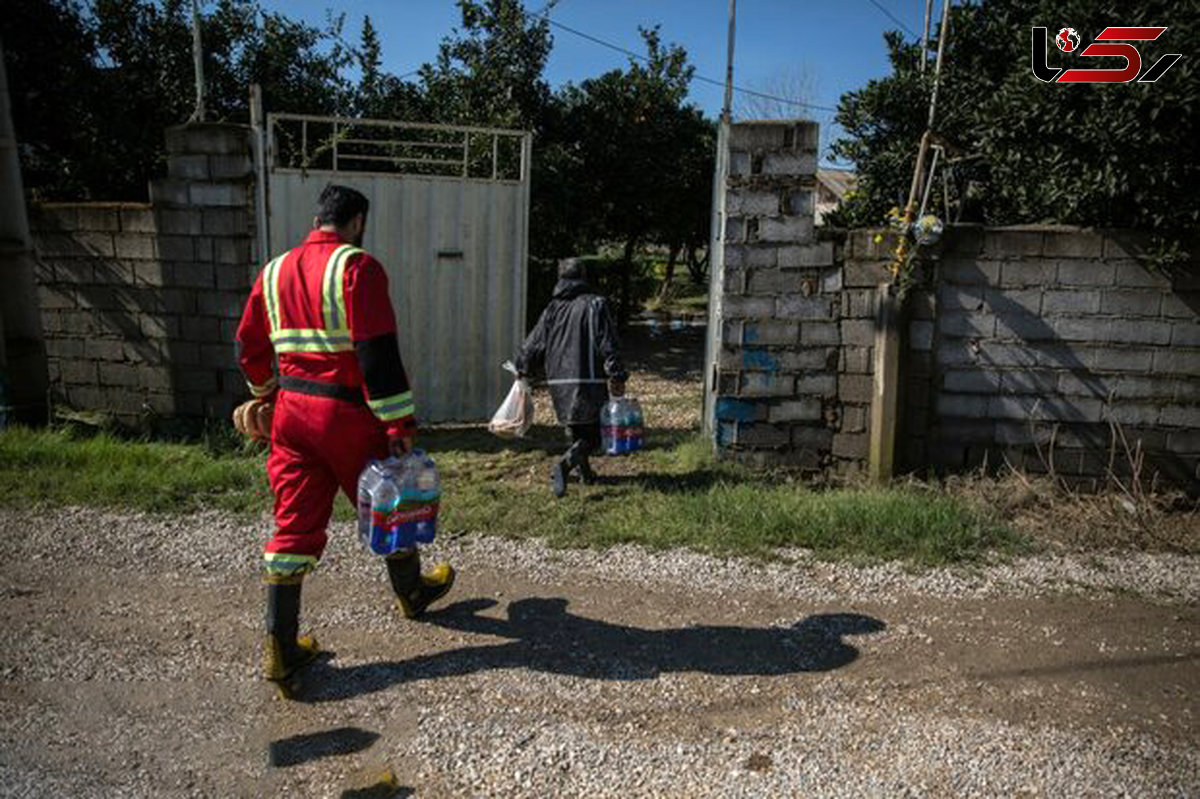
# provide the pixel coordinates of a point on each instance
(514, 417)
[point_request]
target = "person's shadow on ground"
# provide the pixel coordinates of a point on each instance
(543, 636)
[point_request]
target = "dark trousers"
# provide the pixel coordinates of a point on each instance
(585, 439)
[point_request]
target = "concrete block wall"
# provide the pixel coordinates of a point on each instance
(1039, 346)
(1051, 335)
(1042, 346)
(779, 304)
(140, 302)
(863, 267)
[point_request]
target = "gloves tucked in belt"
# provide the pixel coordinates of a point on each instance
(253, 419)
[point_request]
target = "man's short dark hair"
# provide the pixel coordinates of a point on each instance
(339, 204)
(572, 269)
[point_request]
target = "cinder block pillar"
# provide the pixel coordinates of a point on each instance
(775, 303)
(205, 213)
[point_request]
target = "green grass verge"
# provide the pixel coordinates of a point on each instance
(672, 495)
(55, 467)
(679, 497)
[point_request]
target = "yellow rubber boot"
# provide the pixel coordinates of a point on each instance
(285, 653)
(415, 591)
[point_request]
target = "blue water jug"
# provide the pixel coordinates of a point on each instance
(398, 503)
(621, 426)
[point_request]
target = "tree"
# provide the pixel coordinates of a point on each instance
(49, 52)
(134, 57)
(631, 127)
(794, 83)
(491, 71)
(379, 94)
(1087, 154)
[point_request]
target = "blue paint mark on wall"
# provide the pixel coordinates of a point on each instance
(733, 410)
(726, 434)
(758, 358)
(749, 333)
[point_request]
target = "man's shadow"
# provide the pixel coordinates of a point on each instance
(543, 636)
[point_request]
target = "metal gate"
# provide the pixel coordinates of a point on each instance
(449, 221)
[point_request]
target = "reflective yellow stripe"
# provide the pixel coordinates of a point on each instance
(287, 564)
(311, 340)
(397, 406)
(263, 390)
(333, 293)
(271, 291)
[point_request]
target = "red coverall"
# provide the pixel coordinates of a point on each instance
(323, 310)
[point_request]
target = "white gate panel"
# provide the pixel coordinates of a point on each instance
(455, 250)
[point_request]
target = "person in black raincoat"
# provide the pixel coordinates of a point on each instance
(574, 344)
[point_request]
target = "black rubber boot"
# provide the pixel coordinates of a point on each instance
(577, 458)
(285, 652)
(558, 477)
(416, 591)
(585, 471)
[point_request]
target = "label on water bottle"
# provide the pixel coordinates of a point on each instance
(405, 514)
(622, 440)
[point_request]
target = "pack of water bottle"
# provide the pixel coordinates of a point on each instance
(398, 502)
(621, 426)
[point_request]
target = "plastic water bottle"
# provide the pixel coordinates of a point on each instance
(420, 491)
(637, 425)
(609, 427)
(398, 503)
(621, 426)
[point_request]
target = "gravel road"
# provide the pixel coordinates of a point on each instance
(132, 663)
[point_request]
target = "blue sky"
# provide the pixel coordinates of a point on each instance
(823, 47)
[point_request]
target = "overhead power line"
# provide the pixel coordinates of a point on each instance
(548, 7)
(701, 78)
(893, 17)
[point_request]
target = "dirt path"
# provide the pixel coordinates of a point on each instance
(131, 670)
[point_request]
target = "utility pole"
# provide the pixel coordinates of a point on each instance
(716, 240)
(925, 36)
(726, 111)
(198, 61)
(884, 400)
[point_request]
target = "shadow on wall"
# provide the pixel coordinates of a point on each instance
(544, 636)
(136, 326)
(1082, 376)
(108, 319)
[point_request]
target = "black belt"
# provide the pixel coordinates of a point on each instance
(316, 388)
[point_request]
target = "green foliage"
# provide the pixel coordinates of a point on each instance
(605, 274)
(1119, 155)
(134, 57)
(620, 158)
(490, 72)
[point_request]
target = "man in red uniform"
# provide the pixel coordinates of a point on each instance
(341, 398)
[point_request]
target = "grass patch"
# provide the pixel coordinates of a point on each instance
(671, 496)
(57, 467)
(680, 497)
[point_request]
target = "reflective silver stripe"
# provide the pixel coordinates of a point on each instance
(394, 407)
(398, 410)
(263, 390)
(271, 291)
(312, 340)
(333, 294)
(592, 341)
